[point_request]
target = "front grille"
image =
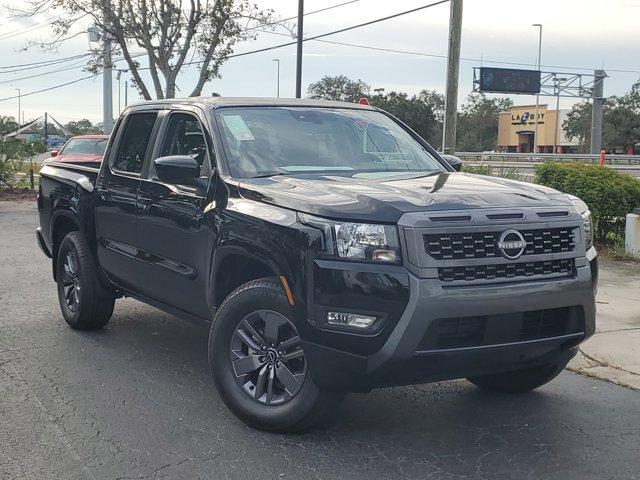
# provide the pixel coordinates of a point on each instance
(459, 246)
(464, 332)
(562, 267)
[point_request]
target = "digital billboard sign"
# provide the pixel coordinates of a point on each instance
(509, 80)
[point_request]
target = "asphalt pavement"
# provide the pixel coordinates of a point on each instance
(136, 401)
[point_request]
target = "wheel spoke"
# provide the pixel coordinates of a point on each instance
(288, 379)
(248, 340)
(290, 343)
(292, 355)
(270, 387)
(76, 295)
(253, 332)
(68, 291)
(261, 383)
(247, 364)
(272, 324)
(71, 262)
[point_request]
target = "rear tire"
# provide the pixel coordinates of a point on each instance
(519, 381)
(84, 302)
(260, 371)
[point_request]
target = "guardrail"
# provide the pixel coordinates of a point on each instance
(610, 159)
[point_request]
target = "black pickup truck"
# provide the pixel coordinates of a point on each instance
(331, 248)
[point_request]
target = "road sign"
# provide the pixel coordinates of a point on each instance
(508, 80)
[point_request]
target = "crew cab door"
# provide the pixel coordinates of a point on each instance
(116, 208)
(173, 231)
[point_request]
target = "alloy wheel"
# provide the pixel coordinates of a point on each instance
(267, 357)
(71, 282)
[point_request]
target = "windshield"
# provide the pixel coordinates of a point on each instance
(263, 141)
(85, 146)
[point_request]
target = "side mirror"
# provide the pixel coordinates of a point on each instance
(453, 161)
(177, 169)
(54, 153)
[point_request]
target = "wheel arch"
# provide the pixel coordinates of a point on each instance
(235, 265)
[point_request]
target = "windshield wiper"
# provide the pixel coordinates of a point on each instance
(272, 174)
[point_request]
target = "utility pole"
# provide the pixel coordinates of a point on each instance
(596, 113)
(277, 60)
(126, 87)
(535, 131)
(453, 71)
(46, 133)
(118, 75)
(107, 88)
(19, 107)
(299, 51)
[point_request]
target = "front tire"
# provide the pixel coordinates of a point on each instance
(84, 303)
(258, 362)
(519, 381)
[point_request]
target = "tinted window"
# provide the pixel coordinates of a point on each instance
(85, 146)
(134, 142)
(343, 141)
(184, 136)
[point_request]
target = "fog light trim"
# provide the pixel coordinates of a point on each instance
(354, 320)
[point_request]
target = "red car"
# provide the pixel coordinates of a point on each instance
(82, 150)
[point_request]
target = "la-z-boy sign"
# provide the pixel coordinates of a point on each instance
(527, 118)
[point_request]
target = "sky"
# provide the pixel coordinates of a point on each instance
(578, 36)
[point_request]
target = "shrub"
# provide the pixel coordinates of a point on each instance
(609, 194)
(511, 173)
(13, 154)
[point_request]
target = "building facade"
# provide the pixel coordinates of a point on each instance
(517, 126)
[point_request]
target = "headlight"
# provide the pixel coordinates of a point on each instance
(588, 229)
(584, 212)
(358, 241)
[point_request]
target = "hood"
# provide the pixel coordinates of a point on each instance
(385, 200)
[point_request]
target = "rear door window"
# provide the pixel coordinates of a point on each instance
(134, 143)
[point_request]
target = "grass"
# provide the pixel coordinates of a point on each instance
(617, 252)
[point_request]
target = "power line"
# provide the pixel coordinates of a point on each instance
(45, 61)
(315, 37)
(22, 31)
(47, 89)
(49, 63)
(64, 69)
(441, 56)
(278, 22)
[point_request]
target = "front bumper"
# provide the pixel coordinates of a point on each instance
(402, 360)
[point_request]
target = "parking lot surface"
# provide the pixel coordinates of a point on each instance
(136, 401)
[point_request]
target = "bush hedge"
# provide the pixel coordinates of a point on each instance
(609, 194)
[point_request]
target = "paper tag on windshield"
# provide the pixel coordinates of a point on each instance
(238, 127)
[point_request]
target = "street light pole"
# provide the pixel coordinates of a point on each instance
(299, 51)
(535, 133)
(277, 60)
(19, 107)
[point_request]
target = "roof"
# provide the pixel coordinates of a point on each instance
(95, 135)
(215, 102)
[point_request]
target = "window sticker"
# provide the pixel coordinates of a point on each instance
(238, 127)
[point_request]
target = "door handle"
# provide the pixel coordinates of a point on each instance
(144, 202)
(103, 194)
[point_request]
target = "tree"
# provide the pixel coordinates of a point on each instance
(82, 127)
(170, 35)
(477, 129)
(339, 88)
(620, 122)
(578, 124)
(413, 111)
(7, 125)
